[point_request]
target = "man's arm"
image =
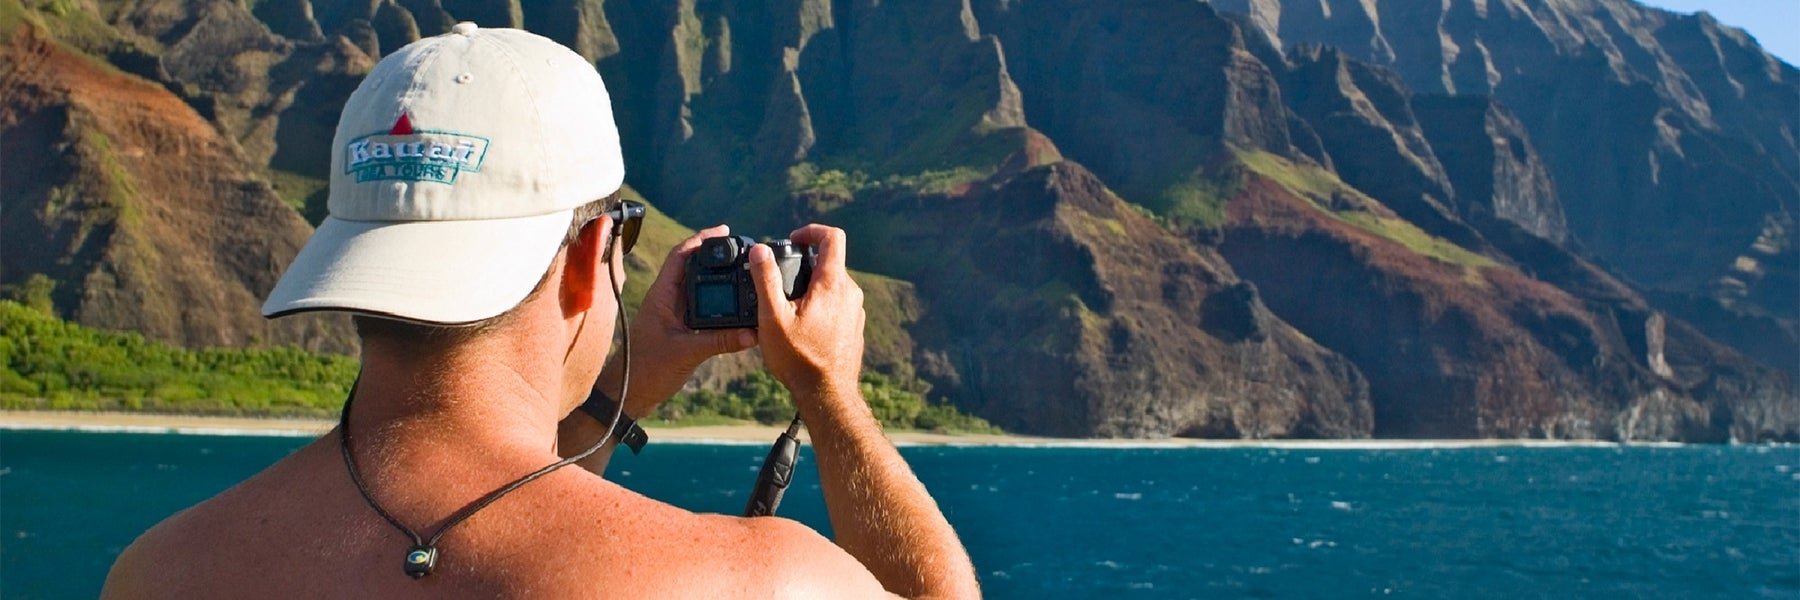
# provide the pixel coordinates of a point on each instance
(880, 512)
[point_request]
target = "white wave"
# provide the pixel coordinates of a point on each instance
(710, 442)
(1363, 444)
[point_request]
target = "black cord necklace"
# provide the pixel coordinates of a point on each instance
(423, 556)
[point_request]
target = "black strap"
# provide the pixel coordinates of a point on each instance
(625, 428)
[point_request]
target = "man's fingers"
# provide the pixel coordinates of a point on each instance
(677, 260)
(713, 342)
(772, 301)
(728, 341)
(675, 265)
(689, 245)
(828, 240)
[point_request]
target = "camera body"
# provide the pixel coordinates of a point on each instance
(721, 293)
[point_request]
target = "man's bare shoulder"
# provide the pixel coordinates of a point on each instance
(677, 553)
(169, 556)
(136, 573)
(194, 548)
(810, 565)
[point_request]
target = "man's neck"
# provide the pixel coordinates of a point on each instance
(475, 398)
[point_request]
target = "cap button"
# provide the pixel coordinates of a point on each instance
(465, 28)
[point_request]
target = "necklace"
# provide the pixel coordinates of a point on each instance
(422, 557)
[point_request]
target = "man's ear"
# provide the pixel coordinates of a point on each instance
(585, 270)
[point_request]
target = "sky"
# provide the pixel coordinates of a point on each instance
(1774, 23)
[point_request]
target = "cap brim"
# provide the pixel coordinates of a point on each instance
(442, 272)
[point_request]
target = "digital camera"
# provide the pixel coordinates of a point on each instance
(721, 294)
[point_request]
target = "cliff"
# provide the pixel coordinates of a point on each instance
(1457, 344)
(131, 212)
(1051, 284)
(1143, 219)
(1672, 139)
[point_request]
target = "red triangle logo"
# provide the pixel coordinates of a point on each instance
(403, 126)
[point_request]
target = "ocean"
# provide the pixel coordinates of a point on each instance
(1246, 522)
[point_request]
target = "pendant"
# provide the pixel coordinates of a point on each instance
(420, 560)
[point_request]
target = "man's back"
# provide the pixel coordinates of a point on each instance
(300, 529)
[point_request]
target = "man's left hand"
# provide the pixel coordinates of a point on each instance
(664, 352)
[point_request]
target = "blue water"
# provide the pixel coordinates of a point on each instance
(1690, 522)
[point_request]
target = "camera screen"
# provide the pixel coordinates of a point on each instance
(713, 300)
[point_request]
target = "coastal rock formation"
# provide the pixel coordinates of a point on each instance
(1673, 140)
(1338, 218)
(1456, 344)
(1050, 284)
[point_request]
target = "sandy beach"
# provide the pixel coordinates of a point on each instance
(720, 434)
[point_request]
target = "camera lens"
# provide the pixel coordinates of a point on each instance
(782, 248)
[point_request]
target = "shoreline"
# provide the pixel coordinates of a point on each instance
(119, 422)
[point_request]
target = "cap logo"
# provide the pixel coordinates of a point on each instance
(403, 153)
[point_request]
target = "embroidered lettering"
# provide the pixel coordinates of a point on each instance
(405, 153)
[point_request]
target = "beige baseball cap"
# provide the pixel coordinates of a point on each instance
(455, 171)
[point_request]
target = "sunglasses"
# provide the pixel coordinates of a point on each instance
(628, 220)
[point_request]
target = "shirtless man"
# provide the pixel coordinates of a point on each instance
(465, 234)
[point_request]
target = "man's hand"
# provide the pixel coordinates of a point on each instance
(814, 343)
(664, 352)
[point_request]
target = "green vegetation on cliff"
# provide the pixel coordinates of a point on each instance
(1331, 195)
(64, 19)
(1196, 200)
(47, 363)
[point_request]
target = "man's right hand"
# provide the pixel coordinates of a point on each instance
(815, 343)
